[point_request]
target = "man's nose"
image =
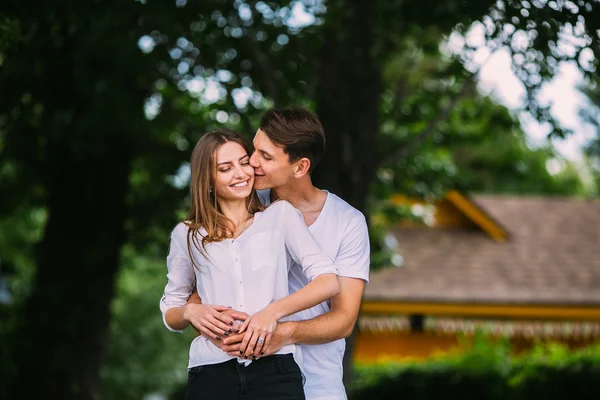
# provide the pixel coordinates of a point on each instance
(253, 161)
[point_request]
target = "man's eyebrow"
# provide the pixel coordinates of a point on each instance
(229, 162)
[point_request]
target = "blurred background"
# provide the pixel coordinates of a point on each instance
(466, 131)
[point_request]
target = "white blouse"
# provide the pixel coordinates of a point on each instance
(247, 273)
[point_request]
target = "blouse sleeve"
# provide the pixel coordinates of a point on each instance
(301, 245)
(180, 280)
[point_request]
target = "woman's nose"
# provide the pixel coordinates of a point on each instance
(239, 172)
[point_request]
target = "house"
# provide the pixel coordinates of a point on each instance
(526, 268)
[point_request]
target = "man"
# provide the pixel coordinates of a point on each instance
(288, 146)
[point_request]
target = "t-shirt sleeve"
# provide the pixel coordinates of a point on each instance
(354, 256)
(180, 279)
(301, 245)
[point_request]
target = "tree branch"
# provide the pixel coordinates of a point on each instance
(442, 115)
(265, 69)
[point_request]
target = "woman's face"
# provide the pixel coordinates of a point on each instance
(234, 177)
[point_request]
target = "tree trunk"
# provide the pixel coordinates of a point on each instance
(64, 323)
(348, 105)
(348, 101)
(81, 66)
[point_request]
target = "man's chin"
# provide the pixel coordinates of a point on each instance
(260, 185)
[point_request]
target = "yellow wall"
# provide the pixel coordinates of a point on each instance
(512, 311)
(399, 346)
(375, 347)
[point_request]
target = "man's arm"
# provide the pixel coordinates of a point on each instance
(195, 298)
(353, 260)
(336, 324)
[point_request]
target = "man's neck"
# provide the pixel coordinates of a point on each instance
(302, 195)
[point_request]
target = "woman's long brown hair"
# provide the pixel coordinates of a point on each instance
(205, 211)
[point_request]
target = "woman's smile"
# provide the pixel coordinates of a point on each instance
(240, 185)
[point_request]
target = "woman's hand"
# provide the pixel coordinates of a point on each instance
(259, 328)
(208, 319)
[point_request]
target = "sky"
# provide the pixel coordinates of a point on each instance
(497, 79)
(562, 93)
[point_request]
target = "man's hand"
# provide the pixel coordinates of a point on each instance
(281, 337)
(258, 330)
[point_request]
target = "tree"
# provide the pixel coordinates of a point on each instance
(72, 126)
(75, 139)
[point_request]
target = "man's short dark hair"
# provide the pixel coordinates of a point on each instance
(297, 130)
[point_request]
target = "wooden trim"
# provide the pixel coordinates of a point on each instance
(483, 310)
(476, 215)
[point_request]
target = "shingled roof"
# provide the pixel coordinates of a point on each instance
(551, 257)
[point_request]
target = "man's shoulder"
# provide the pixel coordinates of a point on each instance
(344, 209)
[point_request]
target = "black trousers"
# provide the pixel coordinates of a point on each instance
(273, 377)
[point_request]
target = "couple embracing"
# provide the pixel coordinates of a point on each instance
(267, 267)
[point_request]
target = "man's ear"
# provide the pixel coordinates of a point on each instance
(301, 168)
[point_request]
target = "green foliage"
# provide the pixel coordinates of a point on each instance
(591, 115)
(143, 356)
(487, 371)
(9, 35)
(506, 164)
(385, 214)
(478, 146)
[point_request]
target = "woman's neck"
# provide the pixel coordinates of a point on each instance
(235, 210)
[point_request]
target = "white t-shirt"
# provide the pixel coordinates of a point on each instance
(247, 273)
(342, 233)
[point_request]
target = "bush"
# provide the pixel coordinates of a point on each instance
(487, 371)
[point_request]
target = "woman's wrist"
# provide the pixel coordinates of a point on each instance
(275, 310)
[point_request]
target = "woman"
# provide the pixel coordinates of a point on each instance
(238, 256)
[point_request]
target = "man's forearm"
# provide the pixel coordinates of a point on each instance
(325, 328)
(176, 319)
(335, 324)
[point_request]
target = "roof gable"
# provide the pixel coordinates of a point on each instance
(552, 257)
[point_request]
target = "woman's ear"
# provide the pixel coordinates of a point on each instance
(301, 168)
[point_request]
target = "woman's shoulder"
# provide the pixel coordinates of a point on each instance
(280, 206)
(182, 229)
(179, 233)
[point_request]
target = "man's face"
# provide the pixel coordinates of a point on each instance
(271, 165)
